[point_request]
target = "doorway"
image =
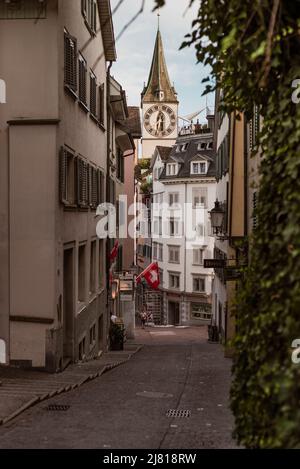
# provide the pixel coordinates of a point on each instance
(68, 305)
(174, 313)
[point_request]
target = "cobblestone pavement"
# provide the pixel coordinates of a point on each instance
(177, 369)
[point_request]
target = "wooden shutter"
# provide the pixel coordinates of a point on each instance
(84, 8)
(82, 79)
(82, 183)
(63, 176)
(93, 95)
(100, 187)
(94, 25)
(70, 50)
(101, 104)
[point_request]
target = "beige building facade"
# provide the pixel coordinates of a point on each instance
(53, 147)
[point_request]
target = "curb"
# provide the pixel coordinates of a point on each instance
(65, 389)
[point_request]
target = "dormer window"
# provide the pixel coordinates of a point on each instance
(199, 168)
(184, 147)
(171, 169)
(202, 146)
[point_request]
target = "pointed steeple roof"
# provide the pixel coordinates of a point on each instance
(159, 87)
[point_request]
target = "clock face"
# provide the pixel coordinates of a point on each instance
(160, 120)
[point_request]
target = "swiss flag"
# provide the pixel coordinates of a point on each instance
(114, 252)
(151, 275)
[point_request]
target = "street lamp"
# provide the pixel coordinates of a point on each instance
(217, 216)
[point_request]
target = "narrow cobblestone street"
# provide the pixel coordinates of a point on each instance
(126, 408)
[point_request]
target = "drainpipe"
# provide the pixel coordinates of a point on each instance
(108, 123)
(185, 224)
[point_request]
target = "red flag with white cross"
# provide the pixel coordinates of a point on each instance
(151, 275)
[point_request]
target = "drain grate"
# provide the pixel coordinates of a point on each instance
(178, 413)
(58, 407)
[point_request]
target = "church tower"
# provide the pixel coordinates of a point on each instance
(159, 105)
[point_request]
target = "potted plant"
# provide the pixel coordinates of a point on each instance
(116, 336)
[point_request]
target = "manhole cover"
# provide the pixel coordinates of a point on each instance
(58, 407)
(178, 413)
(154, 395)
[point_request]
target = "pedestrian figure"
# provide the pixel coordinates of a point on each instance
(144, 317)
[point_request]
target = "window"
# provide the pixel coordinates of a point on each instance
(93, 335)
(93, 94)
(173, 199)
(70, 62)
(174, 280)
(171, 169)
(157, 250)
(81, 272)
(174, 227)
(160, 252)
(82, 183)
(67, 180)
(199, 168)
(199, 198)
(184, 147)
(93, 267)
(101, 92)
(201, 311)
(174, 254)
(154, 251)
(200, 229)
(198, 256)
(202, 146)
(199, 284)
(82, 79)
(89, 11)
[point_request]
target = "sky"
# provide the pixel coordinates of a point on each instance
(135, 50)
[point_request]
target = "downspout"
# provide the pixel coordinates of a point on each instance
(108, 124)
(185, 224)
(232, 173)
(245, 179)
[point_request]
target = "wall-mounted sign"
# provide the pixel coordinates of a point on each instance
(214, 263)
(232, 273)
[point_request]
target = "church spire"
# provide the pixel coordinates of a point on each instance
(159, 87)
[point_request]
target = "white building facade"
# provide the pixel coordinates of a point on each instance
(184, 191)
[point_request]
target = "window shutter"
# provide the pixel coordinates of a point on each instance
(70, 50)
(84, 8)
(82, 80)
(82, 182)
(93, 95)
(63, 176)
(94, 26)
(101, 103)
